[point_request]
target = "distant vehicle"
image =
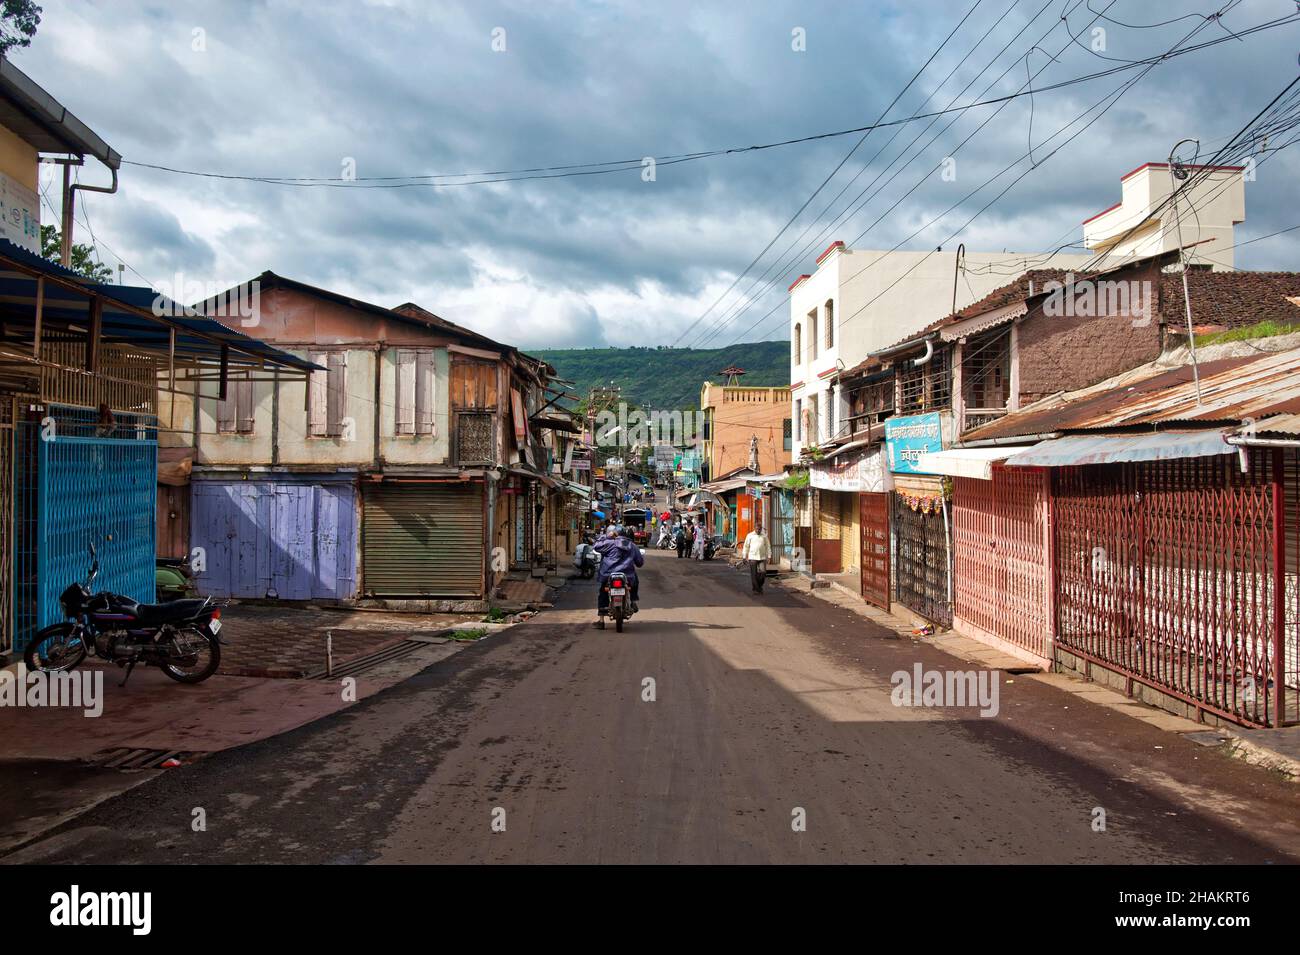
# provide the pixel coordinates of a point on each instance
(635, 519)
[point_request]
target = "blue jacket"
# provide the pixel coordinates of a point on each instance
(618, 555)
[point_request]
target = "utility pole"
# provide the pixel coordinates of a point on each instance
(1177, 172)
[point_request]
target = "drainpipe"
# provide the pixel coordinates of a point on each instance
(69, 204)
(929, 353)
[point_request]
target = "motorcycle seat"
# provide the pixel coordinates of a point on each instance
(169, 612)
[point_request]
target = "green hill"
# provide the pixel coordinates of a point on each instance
(667, 378)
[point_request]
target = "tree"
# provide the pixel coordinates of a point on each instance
(18, 22)
(83, 256)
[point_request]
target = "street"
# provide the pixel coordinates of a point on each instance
(538, 744)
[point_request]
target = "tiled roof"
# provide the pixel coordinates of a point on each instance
(1231, 299)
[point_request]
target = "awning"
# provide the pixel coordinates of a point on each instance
(535, 475)
(846, 448)
(1110, 448)
(579, 489)
(965, 462)
(134, 316)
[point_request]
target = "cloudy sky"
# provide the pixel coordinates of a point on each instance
(390, 89)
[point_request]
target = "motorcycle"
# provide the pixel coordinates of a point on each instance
(665, 541)
(711, 545)
(586, 559)
(179, 636)
(620, 601)
(174, 578)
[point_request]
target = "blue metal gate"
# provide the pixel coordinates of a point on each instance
(74, 490)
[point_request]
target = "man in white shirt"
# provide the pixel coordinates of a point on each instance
(756, 551)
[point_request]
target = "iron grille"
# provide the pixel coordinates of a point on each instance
(1167, 573)
(925, 387)
(921, 562)
(475, 444)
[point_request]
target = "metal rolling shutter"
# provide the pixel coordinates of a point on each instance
(424, 540)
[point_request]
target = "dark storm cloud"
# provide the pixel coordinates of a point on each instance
(401, 88)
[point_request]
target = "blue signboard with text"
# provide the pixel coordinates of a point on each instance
(910, 436)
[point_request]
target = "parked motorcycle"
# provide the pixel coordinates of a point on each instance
(174, 578)
(620, 601)
(179, 637)
(586, 559)
(711, 545)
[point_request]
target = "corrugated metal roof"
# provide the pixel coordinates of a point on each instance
(1111, 448)
(1232, 389)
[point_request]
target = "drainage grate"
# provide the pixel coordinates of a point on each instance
(362, 663)
(125, 757)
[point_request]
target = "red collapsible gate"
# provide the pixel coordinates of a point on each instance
(1001, 575)
(1167, 573)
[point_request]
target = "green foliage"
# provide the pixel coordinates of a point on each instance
(797, 480)
(1264, 329)
(18, 22)
(83, 256)
(667, 378)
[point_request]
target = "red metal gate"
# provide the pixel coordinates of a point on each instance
(1167, 573)
(874, 527)
(1001, 577)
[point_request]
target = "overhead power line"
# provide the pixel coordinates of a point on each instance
(631, 165)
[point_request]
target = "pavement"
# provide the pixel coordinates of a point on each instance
(719, 727)
(51, 758)
(1276, 750)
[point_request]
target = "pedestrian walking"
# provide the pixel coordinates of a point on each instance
(698, 552)
(683, 539)
(756, 551)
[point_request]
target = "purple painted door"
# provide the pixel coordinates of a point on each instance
(261, 539)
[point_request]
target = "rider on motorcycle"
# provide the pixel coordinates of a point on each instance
(618, 555)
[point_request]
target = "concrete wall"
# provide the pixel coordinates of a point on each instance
(18, 160)
(1206, 215)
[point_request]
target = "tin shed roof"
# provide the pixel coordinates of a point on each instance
(1231, 390)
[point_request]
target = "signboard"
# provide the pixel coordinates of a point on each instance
(20, 215)
(581, 464)
(851, 473)
(909, 437)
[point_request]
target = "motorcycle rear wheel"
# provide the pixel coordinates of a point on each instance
(56, 649)
(198, 646)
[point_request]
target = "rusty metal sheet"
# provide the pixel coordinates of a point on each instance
(1231, 390)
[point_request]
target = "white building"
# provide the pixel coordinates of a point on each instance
(859, 301)
(1204, 216)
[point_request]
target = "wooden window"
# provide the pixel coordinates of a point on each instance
(327, 400)
(316, 398)
(235, 414)
(812, 334)
(414, 400)
(796, 346)
(798, 419)
(829, 318)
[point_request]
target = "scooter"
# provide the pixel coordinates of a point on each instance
(586, 559)
(620, 601)
(174, 579)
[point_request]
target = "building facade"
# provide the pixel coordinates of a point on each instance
(744, 426)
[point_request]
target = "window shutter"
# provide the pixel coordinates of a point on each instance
(337, 392)
(244, 406)
(424, 392)
(226, 408)
(406, 397)
(316, 401)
